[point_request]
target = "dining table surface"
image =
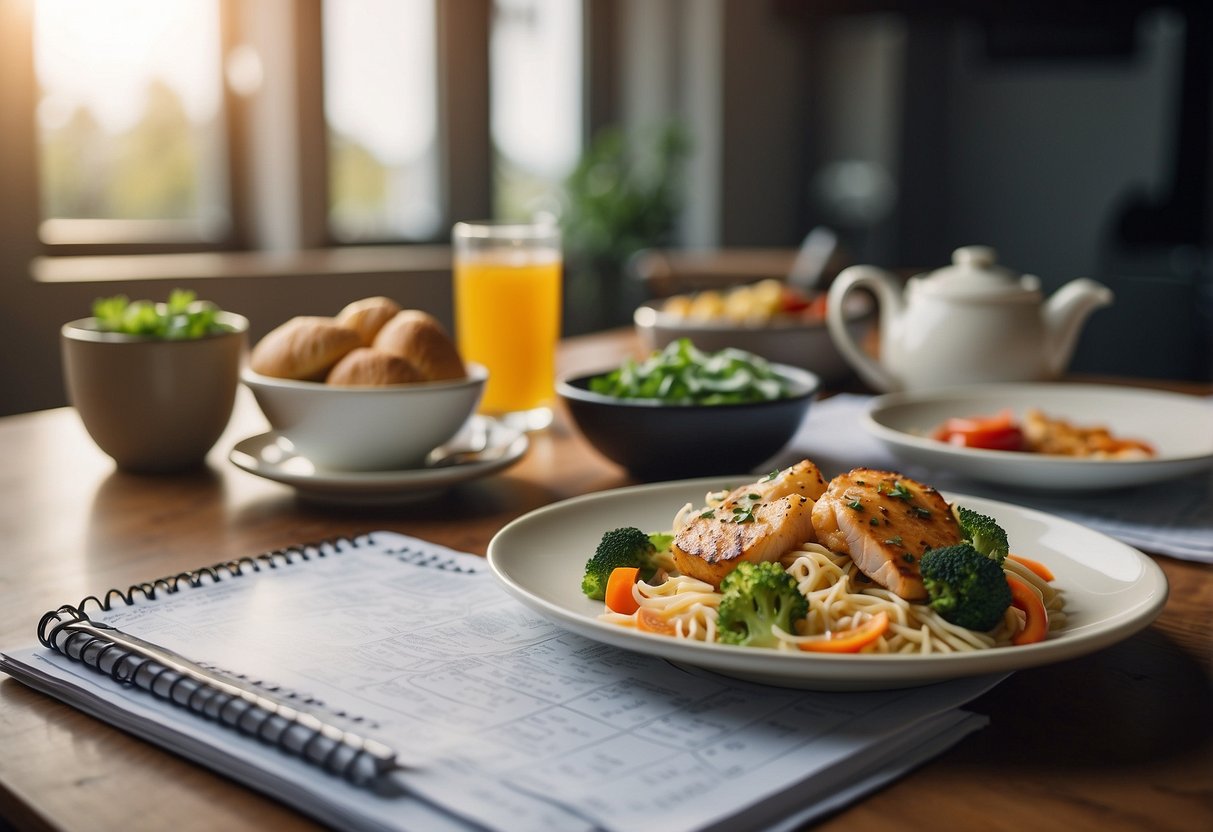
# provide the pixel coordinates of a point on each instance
(1120, 739)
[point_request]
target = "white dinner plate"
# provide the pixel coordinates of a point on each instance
(1111, 591)
(1179, 427)
(483, 447)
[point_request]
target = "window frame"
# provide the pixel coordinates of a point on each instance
(277, 168)
(58, 236)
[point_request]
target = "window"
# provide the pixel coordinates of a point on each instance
(536, 78)
(381, 106)
(242, 124)
(382, 112)
(129, 120)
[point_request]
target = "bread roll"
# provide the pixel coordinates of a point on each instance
(418, 336)
(304, 348)
(366, 367)
(367, 316)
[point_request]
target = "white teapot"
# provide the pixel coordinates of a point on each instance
(970, 322)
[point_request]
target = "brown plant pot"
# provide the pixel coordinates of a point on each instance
(153, 405)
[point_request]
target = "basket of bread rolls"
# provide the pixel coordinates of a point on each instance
(374, 387)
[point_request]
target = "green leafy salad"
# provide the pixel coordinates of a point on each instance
(183, 317)
(684, 374)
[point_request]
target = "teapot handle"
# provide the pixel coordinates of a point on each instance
(889, 303)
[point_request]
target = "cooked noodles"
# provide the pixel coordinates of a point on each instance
(840, 597)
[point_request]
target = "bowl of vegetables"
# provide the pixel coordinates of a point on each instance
(154, 383)
(685, 412)
(769, 318)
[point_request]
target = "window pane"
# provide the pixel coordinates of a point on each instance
(381, 104)
(536, 111)
(129, 115)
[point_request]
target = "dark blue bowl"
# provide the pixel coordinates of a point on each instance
(658, 441)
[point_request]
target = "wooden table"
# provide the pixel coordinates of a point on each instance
(1119, 740)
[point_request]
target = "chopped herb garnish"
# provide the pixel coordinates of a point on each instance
(708, 513)
(875, 521)
(920, 511)
(899, 490)
(770, 476)
(907, 557)
(856, 504)
(743, 515)
(753, 496)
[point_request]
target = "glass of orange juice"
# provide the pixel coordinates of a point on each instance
(507, 314)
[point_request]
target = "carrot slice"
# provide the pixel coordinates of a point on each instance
(651, 621)
(849, 641)
(1043, 572)
(1036, 617)
(619, 596)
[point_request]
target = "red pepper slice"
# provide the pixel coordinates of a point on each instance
(1036, 617)
(849, 641)
(993, 433)
(1043, 572)
(650, 621)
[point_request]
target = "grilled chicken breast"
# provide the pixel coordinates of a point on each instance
(759, 521)
(803, 478)
(885, 522)
(711, 545)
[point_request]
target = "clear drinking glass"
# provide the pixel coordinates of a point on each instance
(507, 314)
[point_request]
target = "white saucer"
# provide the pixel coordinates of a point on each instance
(483, 447)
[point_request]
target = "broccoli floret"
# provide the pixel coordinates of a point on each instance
(661, 541)
(627, 546)
(983, 532)
(965, 586)
(755, 596)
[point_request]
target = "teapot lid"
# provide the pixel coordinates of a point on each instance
(974, 273)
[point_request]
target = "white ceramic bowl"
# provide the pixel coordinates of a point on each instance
(367, 428)
(804, 344)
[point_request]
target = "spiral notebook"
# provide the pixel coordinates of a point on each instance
(384, 682)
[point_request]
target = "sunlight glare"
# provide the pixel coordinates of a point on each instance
(103, 55)
(381, 79)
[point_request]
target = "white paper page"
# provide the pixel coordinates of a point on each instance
(904, 753)
(338, 804)
(503, 714)
(256, 765)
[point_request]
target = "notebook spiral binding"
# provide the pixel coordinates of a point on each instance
(229, 700)
(216, 572)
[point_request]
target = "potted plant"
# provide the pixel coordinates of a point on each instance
(154, 383)
(623, 196)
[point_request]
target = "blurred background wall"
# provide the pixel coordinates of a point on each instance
(1073, 136)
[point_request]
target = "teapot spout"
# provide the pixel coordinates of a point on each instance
(1064, 315)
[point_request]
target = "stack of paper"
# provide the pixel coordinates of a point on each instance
(503, 720)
